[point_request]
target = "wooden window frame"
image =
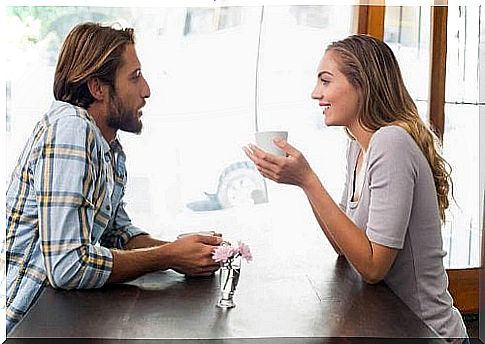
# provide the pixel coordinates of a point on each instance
(437, 81)
(463, 284)
(369, 20)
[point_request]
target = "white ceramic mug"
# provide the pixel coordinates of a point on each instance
(208, 233)
(264, 140)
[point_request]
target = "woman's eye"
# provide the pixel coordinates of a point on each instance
(325, 82)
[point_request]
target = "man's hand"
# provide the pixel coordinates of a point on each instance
(192, 255)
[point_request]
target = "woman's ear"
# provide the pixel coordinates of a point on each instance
(97, 89)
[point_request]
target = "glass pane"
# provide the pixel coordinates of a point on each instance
(462, 56)
(407, 32)
(196, 120)
(187, 170)
(286, 79)
(208, 20)
(461, 234)
(461, 140)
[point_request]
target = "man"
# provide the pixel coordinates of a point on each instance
(66, 222)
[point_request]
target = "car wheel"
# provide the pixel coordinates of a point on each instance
(239, 184)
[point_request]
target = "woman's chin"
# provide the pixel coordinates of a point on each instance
(328, 121)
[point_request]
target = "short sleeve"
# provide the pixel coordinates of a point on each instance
(392, 172)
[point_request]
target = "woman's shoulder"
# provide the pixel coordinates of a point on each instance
(393, 138)
(392, 134)
(394, 141)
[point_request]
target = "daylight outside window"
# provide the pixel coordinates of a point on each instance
(217, 75)
(214, 73)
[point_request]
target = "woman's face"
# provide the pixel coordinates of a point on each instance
(338, 98)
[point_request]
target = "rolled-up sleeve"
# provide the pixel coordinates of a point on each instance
(121, 231)
(63, 180)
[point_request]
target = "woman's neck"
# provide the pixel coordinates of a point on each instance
(361, 135)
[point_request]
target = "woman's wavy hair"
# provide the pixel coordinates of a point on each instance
(371, 67)
(89, 50)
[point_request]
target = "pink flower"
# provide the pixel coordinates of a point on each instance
(223, 253)
(244, 251)
(226, 252)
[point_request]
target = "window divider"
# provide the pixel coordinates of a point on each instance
(437, 80)
(370, 20)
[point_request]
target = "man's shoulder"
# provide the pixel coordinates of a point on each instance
(68, 125)
(64, 113)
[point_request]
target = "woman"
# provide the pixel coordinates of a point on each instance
(396, 191)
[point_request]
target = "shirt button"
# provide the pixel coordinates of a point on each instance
(108, 207)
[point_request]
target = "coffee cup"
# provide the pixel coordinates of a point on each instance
(208, 233)
(264, 140)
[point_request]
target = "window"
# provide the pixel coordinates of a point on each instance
(311, 16)
(287, 76)
(407, 31)
(187, 170)
(208, 20)
(461, 134)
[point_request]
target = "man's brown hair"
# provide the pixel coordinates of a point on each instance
(90, 50)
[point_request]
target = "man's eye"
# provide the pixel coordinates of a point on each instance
(137, 74)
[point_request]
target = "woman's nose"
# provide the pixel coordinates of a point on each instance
(316, 93)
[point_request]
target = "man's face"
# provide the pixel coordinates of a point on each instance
(131, 89)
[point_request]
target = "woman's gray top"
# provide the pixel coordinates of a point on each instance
(398, 208)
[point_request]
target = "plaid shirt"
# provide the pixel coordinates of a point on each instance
(64, 209)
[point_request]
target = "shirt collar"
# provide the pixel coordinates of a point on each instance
(115, 145)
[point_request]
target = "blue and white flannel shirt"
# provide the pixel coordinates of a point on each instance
(64, 209)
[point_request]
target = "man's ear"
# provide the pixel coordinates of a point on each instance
(97, 89)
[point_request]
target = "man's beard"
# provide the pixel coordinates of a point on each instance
(119, 117)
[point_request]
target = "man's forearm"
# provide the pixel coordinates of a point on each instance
(133, 263)
(141, 255)
(191, 255)
(144, 241)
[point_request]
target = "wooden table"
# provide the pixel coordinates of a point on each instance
(295, 291)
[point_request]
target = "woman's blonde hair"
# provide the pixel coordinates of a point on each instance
(371, 67)
(89, 50)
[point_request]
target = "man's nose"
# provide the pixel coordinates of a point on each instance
(146, 89)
